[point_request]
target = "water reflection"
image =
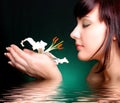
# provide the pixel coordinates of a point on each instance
(33, 92)
(55, 92)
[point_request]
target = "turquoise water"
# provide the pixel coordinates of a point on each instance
(53, 92)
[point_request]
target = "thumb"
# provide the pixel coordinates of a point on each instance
(50, 55)
(28, 51)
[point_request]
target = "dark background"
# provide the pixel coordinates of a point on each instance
(41, 20)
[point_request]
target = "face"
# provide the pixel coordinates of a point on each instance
(89, 35)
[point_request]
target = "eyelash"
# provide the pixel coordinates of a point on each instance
(85, 25)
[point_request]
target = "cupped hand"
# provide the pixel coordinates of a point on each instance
(33, 64)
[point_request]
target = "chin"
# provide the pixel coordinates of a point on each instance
(83, 58)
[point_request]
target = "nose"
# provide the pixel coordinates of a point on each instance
(75, 33)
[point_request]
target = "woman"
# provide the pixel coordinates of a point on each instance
(97, 37)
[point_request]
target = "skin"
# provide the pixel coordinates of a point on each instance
(88, 34)
(33, 64)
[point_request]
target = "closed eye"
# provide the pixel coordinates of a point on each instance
(85, 25)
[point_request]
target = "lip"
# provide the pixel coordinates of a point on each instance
(79, 46)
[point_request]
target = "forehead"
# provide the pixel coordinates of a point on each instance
(93, 14)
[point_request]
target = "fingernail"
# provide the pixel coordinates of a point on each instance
(12, 45)
(7, 48)
(5, 53)
(9, 62)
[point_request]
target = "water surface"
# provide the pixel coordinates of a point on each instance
(54, 92)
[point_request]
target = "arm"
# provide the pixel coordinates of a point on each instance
(33, 64)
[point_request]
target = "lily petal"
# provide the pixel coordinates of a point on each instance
(30, 40)
(39, 45)
(35, 45)
(61, 61)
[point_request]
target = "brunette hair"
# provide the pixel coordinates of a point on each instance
(109, 12)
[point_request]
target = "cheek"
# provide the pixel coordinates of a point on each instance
(92, 41)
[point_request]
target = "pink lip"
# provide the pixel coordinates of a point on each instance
(78, 47)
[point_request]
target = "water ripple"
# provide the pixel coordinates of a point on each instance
(52, 92)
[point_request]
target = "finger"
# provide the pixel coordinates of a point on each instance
(9, 56)
(13, 63)
(30, 52)
(17, 66)
(17, 61)
(21, 68)
(50, 55)
(20, 52)
(15, 58)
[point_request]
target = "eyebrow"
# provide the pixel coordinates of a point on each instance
(87, 16)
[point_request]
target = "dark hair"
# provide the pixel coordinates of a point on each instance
(109, 12)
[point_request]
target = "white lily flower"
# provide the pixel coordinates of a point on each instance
(40, 46)
(64, 60)
(35, 45)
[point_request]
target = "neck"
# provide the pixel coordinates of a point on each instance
(112, 73)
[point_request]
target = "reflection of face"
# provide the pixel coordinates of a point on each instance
(89, 34)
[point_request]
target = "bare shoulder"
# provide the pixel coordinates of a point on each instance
(94, 77)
